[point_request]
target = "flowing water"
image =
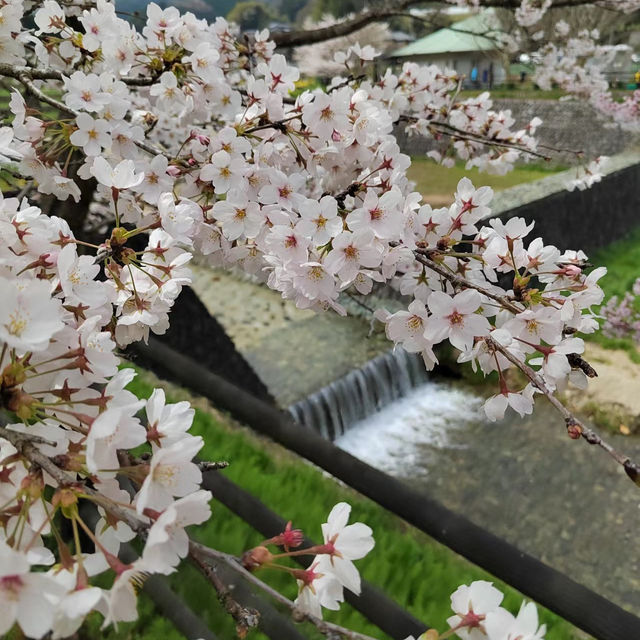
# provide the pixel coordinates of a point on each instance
(334, 409)
(562, 501)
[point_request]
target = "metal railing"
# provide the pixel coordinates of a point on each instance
(579, 605)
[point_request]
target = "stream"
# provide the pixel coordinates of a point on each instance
(563, 501)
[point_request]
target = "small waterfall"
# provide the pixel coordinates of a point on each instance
(334, 408)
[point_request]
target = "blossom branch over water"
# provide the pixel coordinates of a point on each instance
(185, 139)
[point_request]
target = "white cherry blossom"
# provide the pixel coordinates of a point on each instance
(455, 318)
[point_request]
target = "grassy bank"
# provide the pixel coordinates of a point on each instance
(622, 259)
(529, 91)
(411, 568)
(438, 183)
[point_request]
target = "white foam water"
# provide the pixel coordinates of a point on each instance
(401, 437)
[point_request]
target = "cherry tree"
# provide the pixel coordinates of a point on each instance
(181, 139)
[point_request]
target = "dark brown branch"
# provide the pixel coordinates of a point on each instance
(344, 28)
(348, 26)
(47, 73)
(327, 628)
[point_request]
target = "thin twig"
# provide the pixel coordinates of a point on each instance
(632, 468)
(421, 257)
(326, 628)
(47, 73)
(43, 97)
(455, 132)
(212, 466)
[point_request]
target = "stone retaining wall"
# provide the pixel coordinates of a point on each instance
(198, 334)
(566, 125)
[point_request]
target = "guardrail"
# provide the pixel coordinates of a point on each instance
(582, 607)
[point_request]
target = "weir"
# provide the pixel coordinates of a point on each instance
(359, 394)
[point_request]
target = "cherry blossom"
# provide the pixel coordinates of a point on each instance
(120, 177)
(29, 317)
(168, 542)
(471, 605)
(92, 135)
(317, 591)
(167, 423)
(171, 473)
(344, 543)
(28, 598)
(454, 318)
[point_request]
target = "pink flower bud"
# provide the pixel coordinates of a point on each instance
(201, 138)
(572, 270)
(574, 430)
(289, 538)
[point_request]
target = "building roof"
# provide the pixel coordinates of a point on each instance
(465, 35)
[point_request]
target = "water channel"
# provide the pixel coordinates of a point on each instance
(562, 501)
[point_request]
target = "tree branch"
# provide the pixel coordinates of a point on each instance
(455, 132)
(311, 36)
(245, 617)
(631, 468)
(362, 19)
(421, 255)
(327, 628)
(47, 73)
(26, 80)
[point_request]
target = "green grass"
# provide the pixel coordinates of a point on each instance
(411, 568)
(517, 92)
(527, 91)
(440, 182)
(622, 259)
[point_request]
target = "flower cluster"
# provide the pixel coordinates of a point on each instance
(331, 570)
(548, 298)
(621, 317)
(479, 616)
(60, 380)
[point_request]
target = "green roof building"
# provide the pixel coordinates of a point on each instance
(465, 46)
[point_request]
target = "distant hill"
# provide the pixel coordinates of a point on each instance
(201, 8)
